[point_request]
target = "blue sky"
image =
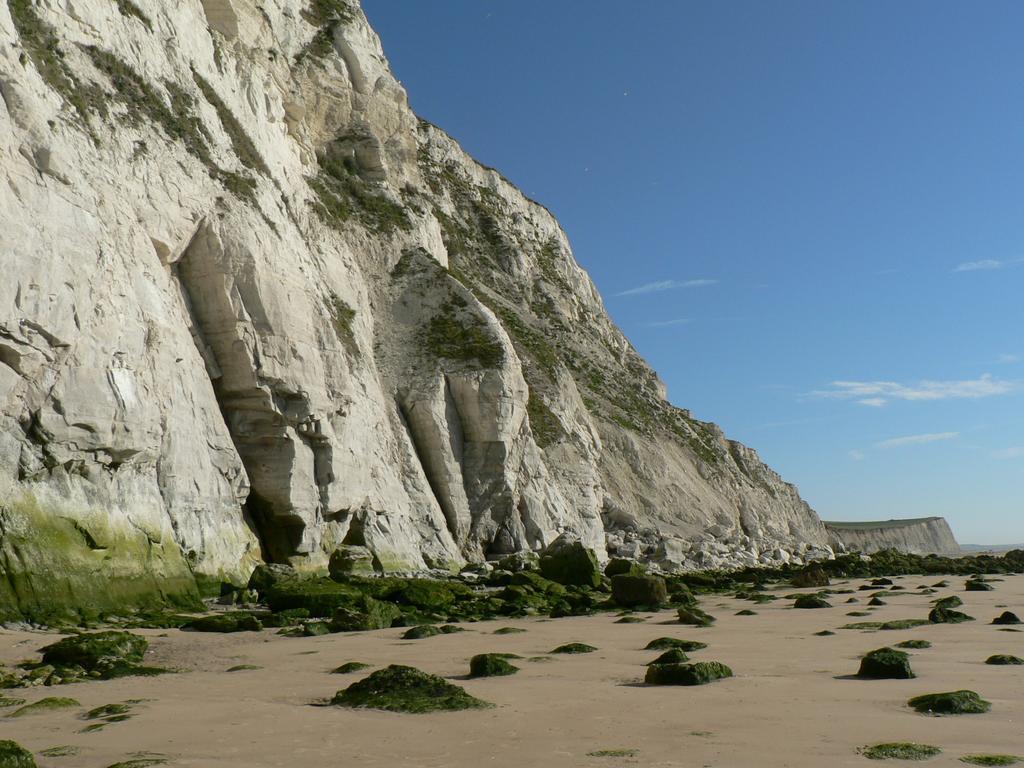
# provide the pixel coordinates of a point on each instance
(807, 215)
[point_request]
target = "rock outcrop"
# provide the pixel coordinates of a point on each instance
(253, 309)
(918, 536)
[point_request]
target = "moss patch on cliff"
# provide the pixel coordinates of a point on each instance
(130, 9)
(341, 194)
(242, 145)
(342, 316)
(43, 49)
(326, 16)
(547, 429)
(62, 569)
(456, 333)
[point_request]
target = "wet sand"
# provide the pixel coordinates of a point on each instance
(790, 703)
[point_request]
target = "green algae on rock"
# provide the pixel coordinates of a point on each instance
(632, 591)
(900, 751)
(49, 704)
(574, 648)
(811, 601)
(886, 664)
(509, 631)
(983, 759)
(696, 673)
(490, 665)
(1006, 618)
(420, 632)
(672, 656)
(1004, 659)
(63, 750)
(13, 755)
(694, 617)
(914, 644)
(571, 563)
(950, 703)
(668, 643)
(225, 622)
(349, 667)
(400, 688)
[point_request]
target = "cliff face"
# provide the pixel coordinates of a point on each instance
(919, 536)
(253, 308)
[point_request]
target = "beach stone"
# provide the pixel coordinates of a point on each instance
(811, 576)
(695, 617)
(13, 755)
(490, 665)
(886, 663)
(1006, 617)
(569, 562)
(1004, 659)
(697, 673)
(350, 560)
(811, 601)
(950, 703)
(633, 591)
(370, 614)
(620, 566)
(399, 688)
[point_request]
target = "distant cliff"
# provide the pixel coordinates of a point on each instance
(921, 535)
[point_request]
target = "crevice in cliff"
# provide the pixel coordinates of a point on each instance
(279, 440)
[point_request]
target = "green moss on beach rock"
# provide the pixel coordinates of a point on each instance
(399, 688)
(668, 643)
(13, 755)
(1002, 659)
(950, 703)
(811, 601)
(630, 591)
(697, 673)
(490, 665)
(49, 704)
(574, 648)
(900, 751)
(886, 664)
(571, 563)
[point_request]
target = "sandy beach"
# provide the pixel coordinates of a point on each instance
(791, 702)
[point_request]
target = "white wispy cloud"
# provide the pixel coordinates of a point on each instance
(935, 437)
(1008, 358)
(856, 455)
(878, 393)
(666, 285)
(975, 266)
(1016, 452)
(985, 264)
(668, 323)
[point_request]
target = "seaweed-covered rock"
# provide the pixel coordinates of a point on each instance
(225, 622)
(1006, 617)
(882, 582)
(1003, 659)
(746, 612)
(13, 755)
(95, 650)
(534, 581)
(886, 664)
(321, 597)
(368, 614)
(668, 643)
(941, 615)
(268, 575)
(350, 560)
(877, 601)
(490, 665)
(811, 576)
(427, 594)
(679, 593)
(509, 631)
(398, 688)
(953, 601)
(697, 673)
(519, 561)
(694, 617)
(631, 591)
(349, 667)
(420, 632)
(914, 644)
(49, 704)
(990, 759)
(900, 751)
(950, 703)
(672, 656)
(574, 648)
(621, 566)
(811, 601)
(977, 585)
(571, 563)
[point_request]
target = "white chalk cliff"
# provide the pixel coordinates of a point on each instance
(253, 308)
